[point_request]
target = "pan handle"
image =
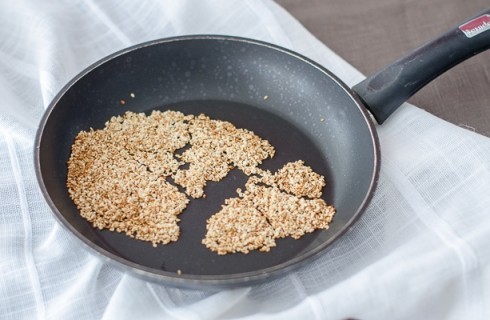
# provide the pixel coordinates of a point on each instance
(385, 91)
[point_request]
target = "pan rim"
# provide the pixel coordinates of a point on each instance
(206, 281)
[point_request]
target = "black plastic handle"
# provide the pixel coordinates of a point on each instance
(385, 91)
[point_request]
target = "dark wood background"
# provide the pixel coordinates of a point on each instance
(370, 34)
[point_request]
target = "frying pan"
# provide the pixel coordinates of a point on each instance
(304, 110)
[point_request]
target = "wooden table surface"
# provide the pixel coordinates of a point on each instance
(370, 34)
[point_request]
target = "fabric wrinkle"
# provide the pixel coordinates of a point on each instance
(315, 306)
(106, 20)
(26, 219)
(444, 232)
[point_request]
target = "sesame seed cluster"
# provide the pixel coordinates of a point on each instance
(272, 206)
(137, 174)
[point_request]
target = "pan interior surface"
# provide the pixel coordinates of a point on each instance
(302, 110)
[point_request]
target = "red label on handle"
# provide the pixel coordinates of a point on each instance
(476, 26)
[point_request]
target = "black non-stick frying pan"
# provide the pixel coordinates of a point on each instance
(302, 109)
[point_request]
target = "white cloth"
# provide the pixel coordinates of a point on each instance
(419, 252)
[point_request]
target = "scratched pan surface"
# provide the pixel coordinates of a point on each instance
(303, 110)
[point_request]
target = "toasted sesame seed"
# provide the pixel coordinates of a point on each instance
(272, 206)
(118, 179)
